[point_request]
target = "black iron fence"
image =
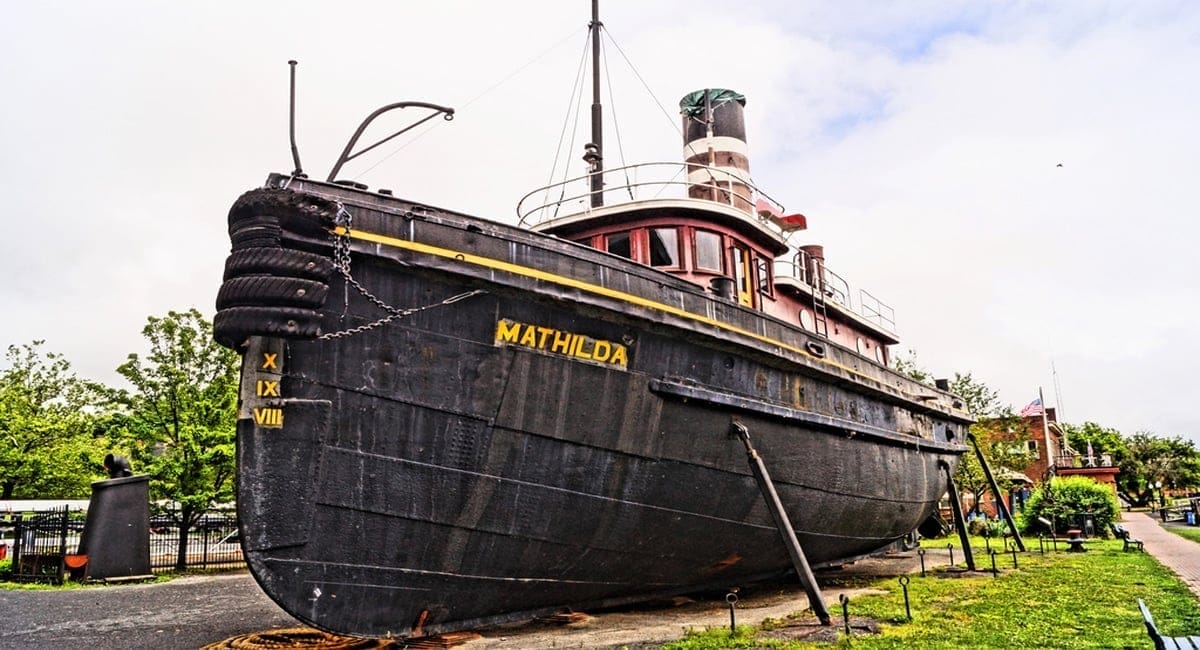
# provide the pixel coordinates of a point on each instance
(212, 543)
(44, 544)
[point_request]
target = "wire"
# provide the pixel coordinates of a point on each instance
(487, 90)
(644, 84)
(612, 98)
(577, 102)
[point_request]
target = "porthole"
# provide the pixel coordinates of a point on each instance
(806, 320)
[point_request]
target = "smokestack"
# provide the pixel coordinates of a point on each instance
(714, 146)
(814, 266)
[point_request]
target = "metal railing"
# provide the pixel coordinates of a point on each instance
(802, 267)
(213, 543)
(1078, 460)
(643, 181)
(41, 542)
(678, 180)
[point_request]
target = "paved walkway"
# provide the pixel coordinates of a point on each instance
(1178, 554)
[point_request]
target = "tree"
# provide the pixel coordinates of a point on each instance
(180, 418)
(978, 400)
(906, 364)
(999, 433)
(1103, 441)
(1149, 459)
(46, 423)
(997, 429)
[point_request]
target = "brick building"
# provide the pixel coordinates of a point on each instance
(1044, 440)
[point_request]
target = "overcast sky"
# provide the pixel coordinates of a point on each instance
(923, 140)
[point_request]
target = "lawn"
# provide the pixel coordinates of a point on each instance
(1056, 600)
(1187, 532)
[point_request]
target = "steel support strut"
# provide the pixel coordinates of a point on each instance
(960, 522)
(1000, 504)
(784, 525)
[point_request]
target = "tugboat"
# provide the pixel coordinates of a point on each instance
(643, 389)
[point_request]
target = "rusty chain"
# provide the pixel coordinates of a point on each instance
(341, 261)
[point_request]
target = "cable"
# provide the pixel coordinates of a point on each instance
(487, 90)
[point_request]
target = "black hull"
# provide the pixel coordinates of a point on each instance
(450, 469)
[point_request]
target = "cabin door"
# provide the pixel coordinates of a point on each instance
(743, 274)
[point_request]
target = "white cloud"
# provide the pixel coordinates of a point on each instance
(922, 140)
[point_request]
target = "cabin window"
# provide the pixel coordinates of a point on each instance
(764, 277)
(708, 251)
(618, 243)
(586, 241)
(664, 247)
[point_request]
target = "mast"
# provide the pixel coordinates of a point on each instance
(594, 154)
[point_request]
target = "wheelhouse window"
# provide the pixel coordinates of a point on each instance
(708, 251)
(664, 247)
(619, 243)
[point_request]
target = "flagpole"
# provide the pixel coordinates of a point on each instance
(1058, 401)
(1050, 460)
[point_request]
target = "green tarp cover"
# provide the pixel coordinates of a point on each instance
(692, 104)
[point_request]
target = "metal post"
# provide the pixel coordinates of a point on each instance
(597, 173)
(845, 612)
(799, 562)
(959, 520)
(62, 545)
(1000, 504)
(292, 121)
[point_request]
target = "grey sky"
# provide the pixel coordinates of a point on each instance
(921, 139)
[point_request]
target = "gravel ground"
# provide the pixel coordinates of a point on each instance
(187, 612)
(193, 611)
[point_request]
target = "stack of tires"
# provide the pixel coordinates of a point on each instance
(270, 287)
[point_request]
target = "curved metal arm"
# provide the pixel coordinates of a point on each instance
(347, 156)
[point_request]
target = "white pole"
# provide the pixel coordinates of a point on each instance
(1050, 459)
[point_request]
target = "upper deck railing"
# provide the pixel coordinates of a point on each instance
(802, 267)
(646, 181)
(675, 180)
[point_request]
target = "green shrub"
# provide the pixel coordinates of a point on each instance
(1066, 498)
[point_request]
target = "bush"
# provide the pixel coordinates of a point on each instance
(1066, 498)
(984, 527)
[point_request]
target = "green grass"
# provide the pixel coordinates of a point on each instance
(1056, 600)
(1187, 532)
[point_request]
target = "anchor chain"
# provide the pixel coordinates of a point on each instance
(341, 261)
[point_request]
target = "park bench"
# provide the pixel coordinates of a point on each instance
(1166, 642)
(1131, 543)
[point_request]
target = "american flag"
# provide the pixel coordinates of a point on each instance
(1032, 408)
